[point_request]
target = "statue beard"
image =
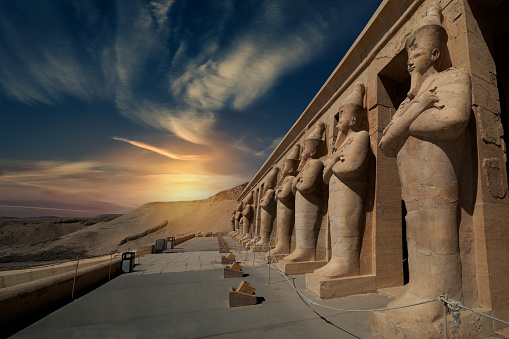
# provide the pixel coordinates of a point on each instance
(416, 80)
(339, 141)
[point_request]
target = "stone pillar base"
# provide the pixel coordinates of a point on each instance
(293, 268)
(387, 326)
(325, 288)
(260, 248)
(279, 257)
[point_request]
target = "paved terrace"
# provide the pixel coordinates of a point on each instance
(182, 294)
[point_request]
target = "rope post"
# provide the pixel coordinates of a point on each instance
(75, 274)
(268, 264)
(254, 254)
(444, 295)
(109, 271)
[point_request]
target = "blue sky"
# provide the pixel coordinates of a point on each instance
(106, 105)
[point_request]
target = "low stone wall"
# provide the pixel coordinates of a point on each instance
(17, 277)
(27, 292)
(180, 240)
(22, 301)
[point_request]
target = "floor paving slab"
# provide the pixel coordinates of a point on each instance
(192, 303)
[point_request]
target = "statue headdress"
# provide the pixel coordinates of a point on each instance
(430, 27)
(356, 98)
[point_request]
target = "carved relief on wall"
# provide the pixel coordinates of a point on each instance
(495, 177)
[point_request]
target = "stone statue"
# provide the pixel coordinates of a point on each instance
(247, 215)
(238, 217)
(427, 136)
(345, 173)
(308, 199)
(268, 207)
(286, 202)
(232, 222)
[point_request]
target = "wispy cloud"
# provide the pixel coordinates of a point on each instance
(153, 69)
(160, 150)
(93, 187)
(45, 208)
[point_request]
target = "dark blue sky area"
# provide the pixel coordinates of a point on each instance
(106, 105)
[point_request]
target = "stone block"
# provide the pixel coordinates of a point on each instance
(260, 248)
(226, 260)
(386, 325)
(245, 287)
(239, 299)
(294, 268)
(485, 95)
(228, 273)
(279, 257)
(236, 266)
(325, 288)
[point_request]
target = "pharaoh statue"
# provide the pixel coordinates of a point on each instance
(427, 135)
(247, 216)
(286, 202)
(345, 173)
(307, 189)
(232, 222)
(268, 207)
(238, 217)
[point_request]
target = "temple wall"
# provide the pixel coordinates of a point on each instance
(378, 59)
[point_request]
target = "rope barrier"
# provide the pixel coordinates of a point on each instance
(344, 309)
(455, 305)
(75, 274)
(450, 304)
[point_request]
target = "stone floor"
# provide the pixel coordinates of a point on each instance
(182, 294)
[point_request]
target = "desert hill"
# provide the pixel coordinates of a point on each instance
(139, 227)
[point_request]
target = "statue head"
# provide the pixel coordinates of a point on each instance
(249, 198)
(240, 206)
(425, 47)
(291, 162)
(312, 142)
(270, 180)
(352, 110)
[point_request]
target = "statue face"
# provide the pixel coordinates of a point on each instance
(347, 118)
(310, 148)
(421, 56)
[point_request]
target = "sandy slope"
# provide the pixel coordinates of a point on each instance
(161, 219)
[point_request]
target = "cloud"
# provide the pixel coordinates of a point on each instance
(163, 63)
(45, 208)
(160, 151)
(98, 187)
(248, 67)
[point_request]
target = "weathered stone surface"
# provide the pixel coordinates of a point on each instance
(308, 198)
(226, 261)
(239, 299)
(345, 173)
(495, 177)
(245, 287)
(426, 135)
(268, 207)
(229, 273)
(301, 267)
(236, 266)
(327, 288)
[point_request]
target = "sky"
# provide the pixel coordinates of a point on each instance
(106, 105)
